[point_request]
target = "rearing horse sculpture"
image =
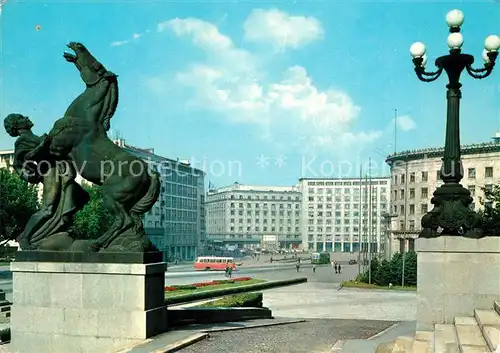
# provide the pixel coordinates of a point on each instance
(129, 187)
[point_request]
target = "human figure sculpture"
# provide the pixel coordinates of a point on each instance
(129, 187)
(50, 228)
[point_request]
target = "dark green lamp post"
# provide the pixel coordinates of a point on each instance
(451, 214)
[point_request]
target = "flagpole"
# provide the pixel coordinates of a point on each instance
(370, 224)
(360, 217)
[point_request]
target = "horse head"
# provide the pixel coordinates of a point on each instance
(102, 85)
(91, 70)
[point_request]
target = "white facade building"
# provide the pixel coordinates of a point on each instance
(251, 216)
(343, 215)
(415, 176)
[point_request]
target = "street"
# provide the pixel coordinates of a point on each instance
(184, 273)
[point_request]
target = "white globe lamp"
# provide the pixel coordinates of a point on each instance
(455, 40)
(417, 50)
(492, 43)
(455, 18)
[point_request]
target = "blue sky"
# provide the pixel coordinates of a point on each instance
(307, 88)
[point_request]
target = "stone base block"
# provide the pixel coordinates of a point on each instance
(85, 307)
(455, 276)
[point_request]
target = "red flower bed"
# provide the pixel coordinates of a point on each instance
(209, 283)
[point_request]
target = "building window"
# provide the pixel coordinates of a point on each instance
(424, 208)
(412, 225)
(412, 193)
(412, 209)
(488, 172)
(402, 210)
(401, 225)
(471, 173)
(488, 188)
(425, 176)
(472, 190)
(424, 193)
(402, 193)
(402, 178)
(395, 179)
(412, 177)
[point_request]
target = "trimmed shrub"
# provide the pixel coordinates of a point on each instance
(242, 300)
(386, 272)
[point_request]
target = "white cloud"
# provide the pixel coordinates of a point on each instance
(134, 37)
(280, 29)
(291, 110)
(405, 123)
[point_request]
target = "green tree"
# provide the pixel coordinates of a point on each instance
(92, 221)
(411, 268)
(490, 214)
(383, 275)
(18, 201)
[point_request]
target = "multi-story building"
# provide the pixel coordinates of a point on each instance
(6, 158)
(176, 223)
(344, 215)
(254, 216)
(415, 176)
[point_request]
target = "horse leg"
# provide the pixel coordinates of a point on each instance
(110, 205)
(124, 222)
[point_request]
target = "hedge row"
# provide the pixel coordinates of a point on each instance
(215, 293)
(385, 272)
(241, 300)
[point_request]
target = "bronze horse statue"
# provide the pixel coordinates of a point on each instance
(129, 187)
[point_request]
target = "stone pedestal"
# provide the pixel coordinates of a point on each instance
(61, 307)
(455, 276)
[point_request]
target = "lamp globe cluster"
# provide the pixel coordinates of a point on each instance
(455, 19)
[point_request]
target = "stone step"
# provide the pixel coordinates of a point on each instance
(489, 323)
(445, 339)
(385, 347)
(424, 342)
(469, 336)
(403, 344)
(420, 347)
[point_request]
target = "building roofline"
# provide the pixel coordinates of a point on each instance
(344, 179)
(418, 154)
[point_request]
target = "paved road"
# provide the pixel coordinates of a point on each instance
(184, 274)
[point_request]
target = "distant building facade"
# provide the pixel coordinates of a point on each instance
(415, 177)
(176, 223)
(345, 214)
(250, 216)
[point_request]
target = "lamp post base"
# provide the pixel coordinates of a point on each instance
(451, 214)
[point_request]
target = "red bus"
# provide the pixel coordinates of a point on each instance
(214, 263)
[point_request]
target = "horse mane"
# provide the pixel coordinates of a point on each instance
(112, 101)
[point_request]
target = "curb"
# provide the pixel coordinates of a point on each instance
(253, 326)
(337, 347)
(177, 346)
(382, 332)
(216, 293)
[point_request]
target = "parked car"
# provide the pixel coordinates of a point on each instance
(352, 262)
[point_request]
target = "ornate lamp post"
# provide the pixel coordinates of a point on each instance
(451, 214)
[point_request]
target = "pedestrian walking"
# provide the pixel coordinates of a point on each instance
(314, 268)
(333, 264)
(229, 271)
(340, 268)
(297, 266)
(336, 268)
